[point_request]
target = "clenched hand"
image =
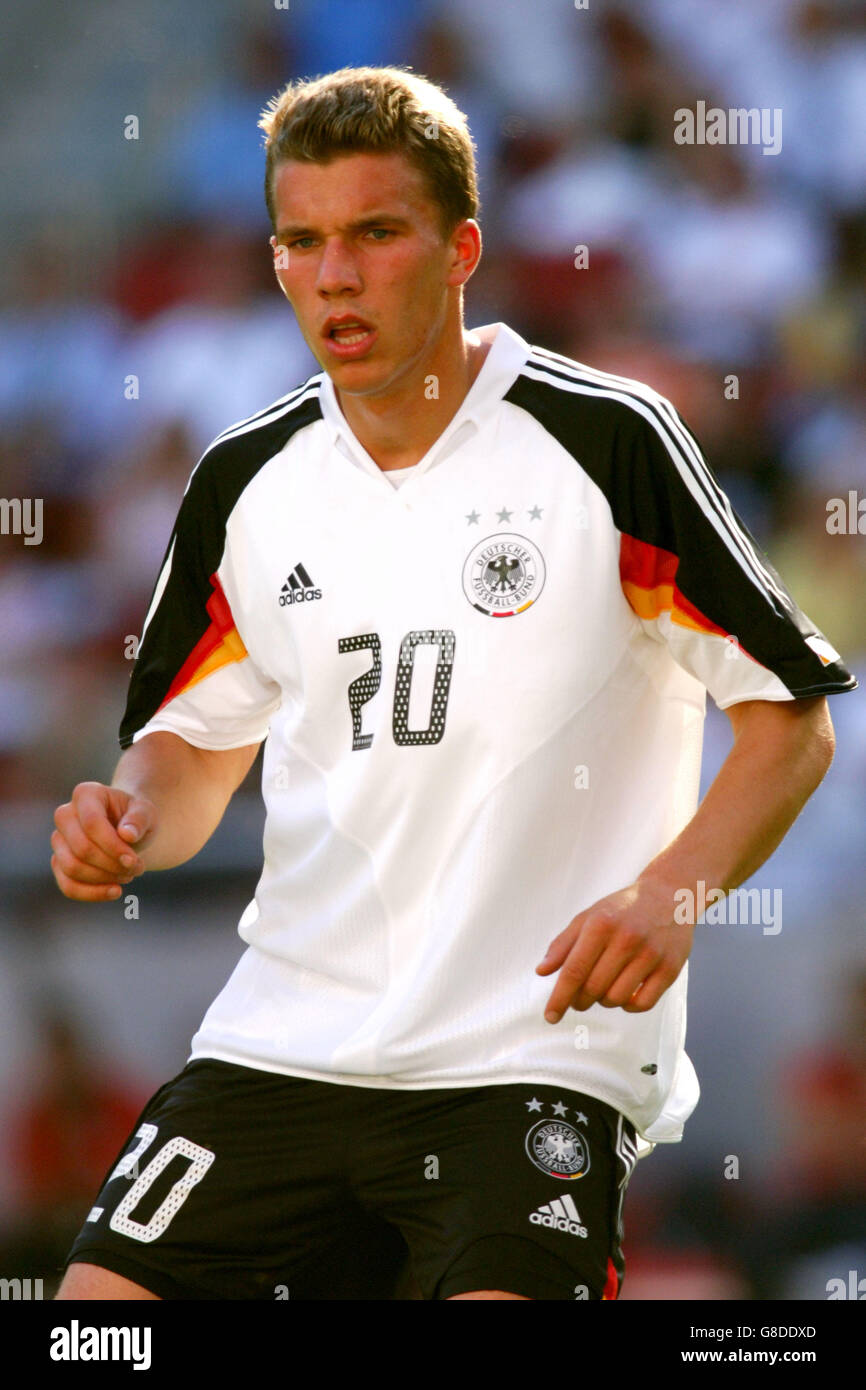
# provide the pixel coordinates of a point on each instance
(93, 838)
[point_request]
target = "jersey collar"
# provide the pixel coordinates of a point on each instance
(501, 366)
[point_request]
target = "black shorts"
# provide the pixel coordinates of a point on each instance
(243, 1184)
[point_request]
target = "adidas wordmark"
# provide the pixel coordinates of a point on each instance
(560, 1215)
(298, 588)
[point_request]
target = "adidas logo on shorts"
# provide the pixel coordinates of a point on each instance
(560, 1215)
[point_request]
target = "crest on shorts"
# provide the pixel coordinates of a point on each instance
(558, 1149)
(503, 575)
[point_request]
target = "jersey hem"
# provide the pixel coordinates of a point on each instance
(159, 726)
(835, 688)
(802, 692)
(380, 1083)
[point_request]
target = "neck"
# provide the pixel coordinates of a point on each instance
(398, 427)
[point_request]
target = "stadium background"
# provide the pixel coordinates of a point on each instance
(148, 257)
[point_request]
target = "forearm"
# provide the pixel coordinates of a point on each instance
(190, 788)
(779, 757)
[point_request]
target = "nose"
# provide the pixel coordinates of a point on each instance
(338, 270)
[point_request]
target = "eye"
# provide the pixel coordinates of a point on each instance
(298, 240)
(379, 232)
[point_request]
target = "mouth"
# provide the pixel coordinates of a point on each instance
(348, 337)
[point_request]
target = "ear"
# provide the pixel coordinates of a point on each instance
(466, 248)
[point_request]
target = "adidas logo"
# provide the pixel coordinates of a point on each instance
(298, 588)
(560, 1215)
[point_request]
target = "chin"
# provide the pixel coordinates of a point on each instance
(352, 376)
(349, 387)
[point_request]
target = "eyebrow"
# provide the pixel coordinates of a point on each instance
(373, 220)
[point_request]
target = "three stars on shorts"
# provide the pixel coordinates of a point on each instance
(558, 1109)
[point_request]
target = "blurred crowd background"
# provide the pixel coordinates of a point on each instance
(148, 258)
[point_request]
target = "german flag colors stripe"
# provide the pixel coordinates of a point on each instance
(220, 644)
(648, 575)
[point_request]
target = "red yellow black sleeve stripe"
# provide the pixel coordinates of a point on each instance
(219, 644)
(649, 580)
(684, 548)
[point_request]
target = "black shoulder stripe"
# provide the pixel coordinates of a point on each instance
(657, 503)
(195, 549)
(685, 453)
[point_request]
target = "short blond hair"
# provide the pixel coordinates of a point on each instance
(376, 110)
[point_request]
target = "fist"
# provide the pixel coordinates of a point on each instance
(93, 839)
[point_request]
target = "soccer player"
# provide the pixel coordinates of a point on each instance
(471, 595)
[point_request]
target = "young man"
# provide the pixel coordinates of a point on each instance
(472, 595)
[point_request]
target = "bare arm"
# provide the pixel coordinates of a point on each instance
(166, 799)
(781, 753)
(629, 943)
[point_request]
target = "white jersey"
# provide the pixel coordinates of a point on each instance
(483, 693)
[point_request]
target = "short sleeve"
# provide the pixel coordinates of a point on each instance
(697, 578)
(193, 675)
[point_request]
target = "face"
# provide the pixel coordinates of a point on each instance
(359, 239)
